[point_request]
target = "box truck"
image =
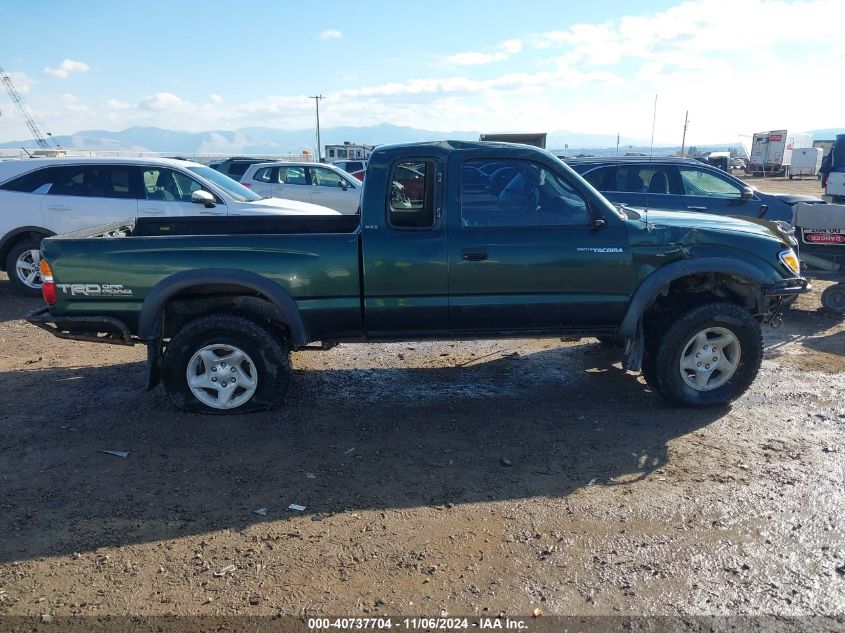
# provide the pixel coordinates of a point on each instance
(771, 152)
(806, 162)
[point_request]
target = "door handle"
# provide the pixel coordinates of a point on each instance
(152, 211)
(57, 207)
(697, 208)
(474, 257)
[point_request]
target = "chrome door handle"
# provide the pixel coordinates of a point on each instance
(152, 211)
(57, 207)
(697, 208)
(474, 257)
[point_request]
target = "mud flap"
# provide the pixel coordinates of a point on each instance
(634, 349)
(153, 369)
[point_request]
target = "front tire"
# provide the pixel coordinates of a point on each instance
(23, 265)
(225, 364)
(709, 355)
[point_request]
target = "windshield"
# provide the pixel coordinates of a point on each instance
(235, 189)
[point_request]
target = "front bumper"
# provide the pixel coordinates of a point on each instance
(786, 287)
(88, 328)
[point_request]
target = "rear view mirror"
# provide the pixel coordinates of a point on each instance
(204, 198)
(747, 193)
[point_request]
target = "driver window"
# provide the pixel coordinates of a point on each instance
(321, 177)
(698, 182)
(168, 185)
(514, 193)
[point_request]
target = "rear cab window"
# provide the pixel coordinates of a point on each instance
(411, 202)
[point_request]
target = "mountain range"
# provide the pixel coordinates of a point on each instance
(266, 140)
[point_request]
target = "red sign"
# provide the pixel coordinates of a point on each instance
(775, 138)
(825, 238)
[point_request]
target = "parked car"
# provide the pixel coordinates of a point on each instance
(682, 184)
(317, 183)
(350, 166)
(235, 167)
(42, 197)
(221, 302)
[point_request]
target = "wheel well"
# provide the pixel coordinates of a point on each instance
(12, 241)
(692, 290)
(222, 298)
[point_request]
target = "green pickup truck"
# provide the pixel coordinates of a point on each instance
(454, 240)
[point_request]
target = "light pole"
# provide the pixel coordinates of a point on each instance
(317, 103)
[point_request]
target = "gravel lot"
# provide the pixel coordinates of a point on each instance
(612, 502)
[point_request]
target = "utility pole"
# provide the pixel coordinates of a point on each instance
(684, 139)
(617, 143)
(317, 103)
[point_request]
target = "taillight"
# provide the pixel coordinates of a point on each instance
(48, 286)
(247, 185)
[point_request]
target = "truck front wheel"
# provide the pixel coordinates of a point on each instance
(709, 355)
(225, 364)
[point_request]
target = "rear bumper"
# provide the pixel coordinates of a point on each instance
(88, 328)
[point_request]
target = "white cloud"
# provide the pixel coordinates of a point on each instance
(117, 104)
(331, 34)
(507, 49)
(163, 101)
(215, 98)
(67, 67)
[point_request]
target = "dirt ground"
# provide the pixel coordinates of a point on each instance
(804, 185)
(461, 478)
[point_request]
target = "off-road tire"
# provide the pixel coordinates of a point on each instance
(11, 266)
(669, 382)
(267, 352)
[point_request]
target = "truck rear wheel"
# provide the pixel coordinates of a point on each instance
(225, 364)
(709, 355)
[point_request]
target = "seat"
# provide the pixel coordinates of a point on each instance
(659, 183)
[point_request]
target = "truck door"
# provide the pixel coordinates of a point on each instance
(531, 255)
(404, 251)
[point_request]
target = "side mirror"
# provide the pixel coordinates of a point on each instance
(204, 198)
(747, 193)
(342, 184)
(599, 224)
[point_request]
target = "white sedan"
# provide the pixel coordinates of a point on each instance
(43, 197)
(316, 183)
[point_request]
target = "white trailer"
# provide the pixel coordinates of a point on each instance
(806, 162)
(771, 152)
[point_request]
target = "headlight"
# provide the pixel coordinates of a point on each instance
(790, 260)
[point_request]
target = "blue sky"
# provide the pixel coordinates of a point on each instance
(592, 67)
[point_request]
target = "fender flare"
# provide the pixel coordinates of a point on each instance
(9, 238)
(149, 320)
(648, 290)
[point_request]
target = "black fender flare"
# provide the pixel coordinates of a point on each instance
(149, 320)
(9, 238)
(650, 288)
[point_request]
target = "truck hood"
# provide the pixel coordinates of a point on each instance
(711, 223)
(282, 206)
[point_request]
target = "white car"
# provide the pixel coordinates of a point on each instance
(48, 196)
(317, 183)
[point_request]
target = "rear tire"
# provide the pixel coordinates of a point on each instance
(23, 267)
(833, 299)
(225, 364)
(709, 355)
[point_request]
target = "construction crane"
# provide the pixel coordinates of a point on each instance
(17, 99)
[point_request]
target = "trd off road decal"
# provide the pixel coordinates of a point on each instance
(95, 290)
